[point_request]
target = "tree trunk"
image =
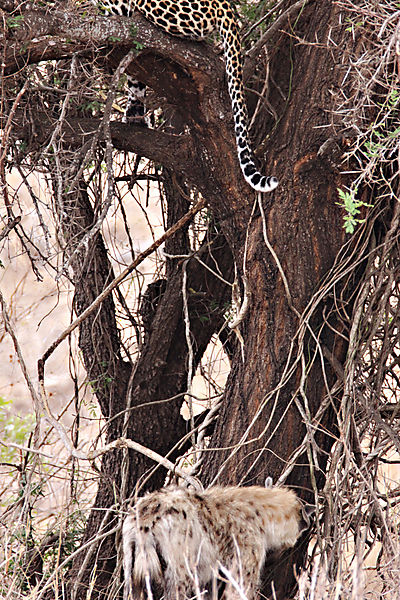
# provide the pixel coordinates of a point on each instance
(278, 411)
(153, 388)
(294, 336)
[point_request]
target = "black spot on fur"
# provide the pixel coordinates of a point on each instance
(172, 511)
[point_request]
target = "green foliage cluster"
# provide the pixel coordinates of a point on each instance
(255, 12)
(25, 540)
(13, 429)
(352, 206)
(373, 107)
(15, 22)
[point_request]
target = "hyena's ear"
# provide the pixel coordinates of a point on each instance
(269, 482)
(307, 511)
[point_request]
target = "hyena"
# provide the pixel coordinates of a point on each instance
(185, 540)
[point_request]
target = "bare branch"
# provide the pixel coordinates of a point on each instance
(171, 231)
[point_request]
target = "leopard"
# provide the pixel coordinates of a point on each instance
(197, 20)
(188, 543)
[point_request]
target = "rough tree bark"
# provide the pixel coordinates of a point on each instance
(292, 240)
(294, 335)
(153, 387)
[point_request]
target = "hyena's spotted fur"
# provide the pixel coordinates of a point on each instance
(184, 539)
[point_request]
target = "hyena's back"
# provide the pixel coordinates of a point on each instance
(182, 538)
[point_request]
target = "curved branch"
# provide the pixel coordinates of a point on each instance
(42, 35)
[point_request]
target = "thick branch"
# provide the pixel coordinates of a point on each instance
(189, 75)
(41, 35)
(173, 151)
